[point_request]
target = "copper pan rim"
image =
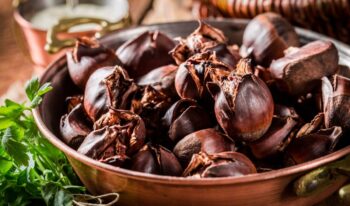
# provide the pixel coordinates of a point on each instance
(182, 180)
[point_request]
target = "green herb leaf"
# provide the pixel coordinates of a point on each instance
(62, 197)
(17, 150)
(45, 88)
(31, 88)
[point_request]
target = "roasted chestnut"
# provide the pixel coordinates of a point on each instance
(277, 136)
(162, 79)
(193, 75)
(266, 37)
(119, 131)
(184, 117)
(336, 101)
(108, 87)
(209, 141)
(243, 104)
(145, 53)
(312, 146)
(75, 126)
(224, 164)
(88, 56)
(155, 159)
(300, 71)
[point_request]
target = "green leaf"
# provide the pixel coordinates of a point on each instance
(5, 165)
(63, 198)
(6, 123)
(36, 101)
(44, 89)
(17, 150)
(32, 87)
(11, 111)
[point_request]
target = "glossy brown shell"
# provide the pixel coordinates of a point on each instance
(269, 188)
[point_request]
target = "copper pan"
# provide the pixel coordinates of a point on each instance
(270, 188)
(44, 46)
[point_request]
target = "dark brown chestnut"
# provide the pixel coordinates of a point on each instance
(336, 101)
(192, 76)
(277, 136)
(88, 56)
(155, 159)
(243, 104)
(162, 79)
(117, 135)
(224, 164)
(145, 53)
(108, 87)
(184, 117)
(300, 71)
(209, 141)
(266, 37)
(73, 101)
(312, 146)
(75, 126)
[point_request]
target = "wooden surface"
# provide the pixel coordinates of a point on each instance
(15, 65)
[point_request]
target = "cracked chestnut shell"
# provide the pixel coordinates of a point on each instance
(266, 37)
(224, 164)
(278, 135)
(88, 56)
(117, 135)
(145, 53)
(243, 104)
(300, 71)
(193, 75)
(209, 141)
(75, 126)
(162, 79)
(184, 117)
(312, 146)
(108, 87)
(336, 101)
(206, 39)
(156, 159)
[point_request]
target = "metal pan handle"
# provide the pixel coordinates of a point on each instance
(54, 44)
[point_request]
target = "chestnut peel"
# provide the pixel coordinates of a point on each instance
(243, 104)
(266, 37)
(224, 164)
(75, 126)
(86, 57)
(155, 159)
(184, 117)
(192, 76)
(121, 130)
(336, 101)
(145, 53)
(312, 146)
(209, 141)
(299, 72)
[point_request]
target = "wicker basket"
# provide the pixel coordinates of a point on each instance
(330, 17)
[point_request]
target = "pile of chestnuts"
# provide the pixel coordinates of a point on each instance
(199, 107)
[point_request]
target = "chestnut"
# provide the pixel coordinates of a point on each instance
(146, 52)
(88, 56)
(277, 136)
(243, 104)
(192, 76)
(75, 126)
(205, 39)
(156, 159)
(336, 101)
(123, 130)
(162, 79)
(224, 164)
(312, 146)
(108, 87)
(299, 72)
(208, 140)
(73, 101)
(266, 37)
(184, 117)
